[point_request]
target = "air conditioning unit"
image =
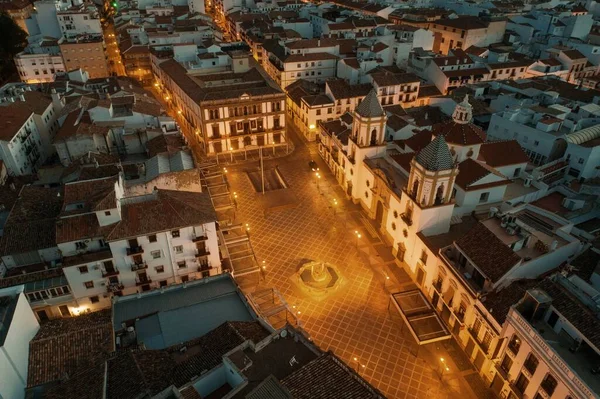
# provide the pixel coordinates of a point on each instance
(102, 284)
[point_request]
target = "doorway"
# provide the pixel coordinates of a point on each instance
(379, 214)
(43, 315)
(64, 311)
(497, 384)
(401, 252)
(420, 277)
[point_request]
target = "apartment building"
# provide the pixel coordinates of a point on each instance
(230, 107)
(464, 32)
(551, 349)
(77, 20)
(85, 52)
(19, 326)
(40, 62)
(116, 245)
(21, 147)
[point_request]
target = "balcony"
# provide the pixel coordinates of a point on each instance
(139, 280)
(200, 252)
(139, 266)
(199, 238)
(466, 273)
(137, 250)
(110, 272)
(114, 287)
(438, 286)
(407, 219)
(204, 267)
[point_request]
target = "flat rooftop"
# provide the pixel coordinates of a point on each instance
(181, 312)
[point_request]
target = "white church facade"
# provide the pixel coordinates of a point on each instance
(421, 193)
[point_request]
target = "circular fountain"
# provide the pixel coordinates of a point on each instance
(318, 278)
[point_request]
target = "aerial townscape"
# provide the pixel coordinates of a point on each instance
(275, 199)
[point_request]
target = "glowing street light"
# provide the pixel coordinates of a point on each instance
(444, 367)
(358, 236)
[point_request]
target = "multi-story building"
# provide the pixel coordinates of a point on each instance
(464, 32)
(40, 62)
(85, 52)
(83, 19)
(21, 147)
(115, 245)
(19, 326)
(551, 349)
(230, 107)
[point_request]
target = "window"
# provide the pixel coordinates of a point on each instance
(89, 284)
(536, 143)
(487, 340)
(159, 269)
(162, 283)
(181, 264)
(476, 327)
(318, 112)
(83, 269)
(155, 254)
(514, 344)
(175, 234)
(580, 161)
(549, 384)
(107, 213)
(506, 364)
(521, 383)
(152, 238)
(178, 249)
(484, 197)
(424, 256)
(94, 299)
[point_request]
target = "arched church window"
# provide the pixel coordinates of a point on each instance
(439, 195)
(368, 183)
(374, 137)
(415, 187)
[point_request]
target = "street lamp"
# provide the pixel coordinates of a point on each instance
(358, 236)
(248, 229)
(335, 203)
(263, 270)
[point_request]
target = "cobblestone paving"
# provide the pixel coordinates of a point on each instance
(353, 322)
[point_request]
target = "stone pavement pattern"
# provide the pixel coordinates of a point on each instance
(353, 322)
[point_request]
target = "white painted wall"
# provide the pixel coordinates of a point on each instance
(14, 354)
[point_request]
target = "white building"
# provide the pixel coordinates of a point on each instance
(82, 20)
(18, 327)
(21, 146)
(114, 245)
(40, 62)
(551, 345)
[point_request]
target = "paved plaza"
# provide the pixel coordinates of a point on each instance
(353, 322)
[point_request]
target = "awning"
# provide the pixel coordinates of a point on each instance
(423, 322)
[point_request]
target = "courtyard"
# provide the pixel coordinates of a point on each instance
(356, 321)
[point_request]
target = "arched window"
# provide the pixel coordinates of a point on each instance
(439, 195)
(415, 188)
(374, 137)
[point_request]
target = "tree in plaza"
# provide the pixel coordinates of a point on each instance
(13, 40)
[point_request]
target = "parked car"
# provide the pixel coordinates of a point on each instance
(313, 166)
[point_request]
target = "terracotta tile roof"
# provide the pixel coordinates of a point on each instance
(404, 159)
(31, 224)
(340, 89)
(163, 210)
(463, 23)
(579, 315)
(25, 278)
(488, 252)
(327, 377)
(417, 142)
(383, 78)
(63, 347)
(79, 227)
(90, 196)
(429, 91)
(88, 257)
(586, 264)
(573, 54)
(498, 303)
(463, 134)
(12, 118)
(165, 143)
(502, 153)
(37, 102)
(79, 123)
(471, 171)
(86, 384)
(319, 99)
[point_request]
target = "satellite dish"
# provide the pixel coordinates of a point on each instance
(283, 333)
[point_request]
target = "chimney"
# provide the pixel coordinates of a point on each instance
(22, 97)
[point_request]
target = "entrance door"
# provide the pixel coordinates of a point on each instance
(64, 311)
(497, 384)
(470, 347)
(43, 315)
(479, 359)
(349, 190)
(401, 252)
(446, 314)
(434, 299)
(379, 214)
(420, 277)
